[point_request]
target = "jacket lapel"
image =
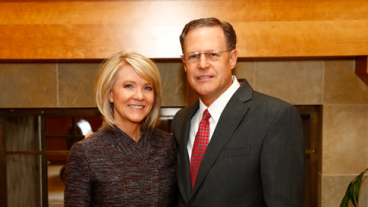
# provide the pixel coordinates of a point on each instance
(229, 120)
(184, 152)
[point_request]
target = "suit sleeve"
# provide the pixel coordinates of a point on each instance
(282, 160)
(77, 178)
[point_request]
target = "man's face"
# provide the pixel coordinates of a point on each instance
(207, 77)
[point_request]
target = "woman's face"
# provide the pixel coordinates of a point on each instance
(133, 97)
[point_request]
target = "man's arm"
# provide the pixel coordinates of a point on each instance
(88, 135)
(282, 160)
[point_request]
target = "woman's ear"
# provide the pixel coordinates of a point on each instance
(111, 97)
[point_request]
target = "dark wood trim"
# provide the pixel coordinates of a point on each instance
(314, 157)
(320, 132)
(314, 152)
(3, 180)
(361, 68)
(49, 152)
(44, 176)
(50, 112)
(65, 136)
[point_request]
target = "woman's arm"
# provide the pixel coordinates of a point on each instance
(77, 178)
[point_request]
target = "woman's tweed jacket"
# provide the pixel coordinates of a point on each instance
(111, 169)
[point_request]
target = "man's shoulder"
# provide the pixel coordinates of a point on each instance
(267, 98)
(185, 110)
(182, 116)
(246, 93)
(265, 101)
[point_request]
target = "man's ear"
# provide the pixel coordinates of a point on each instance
(184, 63)
(233, 58)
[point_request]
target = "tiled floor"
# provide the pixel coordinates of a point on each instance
(56, 186)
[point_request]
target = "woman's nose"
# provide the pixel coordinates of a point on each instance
(139, 95)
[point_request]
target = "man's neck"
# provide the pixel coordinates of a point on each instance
(209, 99)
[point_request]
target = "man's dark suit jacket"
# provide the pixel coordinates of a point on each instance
(255, 156)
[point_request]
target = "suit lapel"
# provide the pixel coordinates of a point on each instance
(184, 152)
(229, 120)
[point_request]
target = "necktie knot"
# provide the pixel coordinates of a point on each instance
(206, 115)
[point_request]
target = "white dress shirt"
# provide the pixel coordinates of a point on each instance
(215, 110)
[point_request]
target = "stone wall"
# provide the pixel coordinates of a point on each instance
(329, 82)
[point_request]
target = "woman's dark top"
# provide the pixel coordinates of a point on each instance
(111, 169)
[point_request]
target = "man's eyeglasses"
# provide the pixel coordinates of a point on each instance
(193, 57)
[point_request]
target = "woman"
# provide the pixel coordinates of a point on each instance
(128, 162)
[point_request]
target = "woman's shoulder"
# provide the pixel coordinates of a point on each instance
(163, 140)
(161, 134)
(94, 141)
(163, 137)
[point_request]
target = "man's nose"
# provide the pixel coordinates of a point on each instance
(203, 61)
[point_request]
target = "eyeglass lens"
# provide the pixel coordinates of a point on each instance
(213, 56)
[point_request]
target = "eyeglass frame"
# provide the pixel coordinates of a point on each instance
(206, 54)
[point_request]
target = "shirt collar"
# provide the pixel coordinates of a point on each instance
(218, 106)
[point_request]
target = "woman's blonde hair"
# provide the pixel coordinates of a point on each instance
(144, 67)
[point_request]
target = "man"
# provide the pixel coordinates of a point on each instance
(248, 150)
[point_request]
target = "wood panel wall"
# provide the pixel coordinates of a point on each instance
(97, 29)
(22, 171)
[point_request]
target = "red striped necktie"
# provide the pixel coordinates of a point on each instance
(200, 145)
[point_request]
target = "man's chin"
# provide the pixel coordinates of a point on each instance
(205, 94)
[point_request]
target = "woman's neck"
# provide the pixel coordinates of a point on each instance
(133, 130)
